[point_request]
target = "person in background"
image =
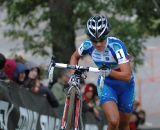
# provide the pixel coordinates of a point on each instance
(20, 74)
(10, 68)
(95, 96)
(33, 83)
(32, 76)
(39, 89)
(89, 102)
(138, 116)
(34, 73)
(2, 64)
(2, 61)
(20, 59)
(58, 88)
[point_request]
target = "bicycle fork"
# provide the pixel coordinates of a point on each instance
(63, 121)
(77, 113)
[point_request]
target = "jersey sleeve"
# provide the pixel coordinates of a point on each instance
(84, 48)
(121, 52)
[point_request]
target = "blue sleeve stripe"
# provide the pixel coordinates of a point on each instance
(120, 43)
(113, 53)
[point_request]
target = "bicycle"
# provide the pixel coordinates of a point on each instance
(71, 117)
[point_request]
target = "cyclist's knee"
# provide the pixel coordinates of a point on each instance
(123, 125)
(113, 122)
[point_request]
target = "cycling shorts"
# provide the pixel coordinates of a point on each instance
(121, 92)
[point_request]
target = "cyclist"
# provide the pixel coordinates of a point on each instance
(117, 94)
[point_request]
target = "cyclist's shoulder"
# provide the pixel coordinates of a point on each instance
(114, 40)
(115, 43)
(87, 44)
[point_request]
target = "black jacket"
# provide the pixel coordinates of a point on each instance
(50, 97)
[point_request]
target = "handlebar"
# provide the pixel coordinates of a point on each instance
(73, 67)
(76, 67)
(68, 66)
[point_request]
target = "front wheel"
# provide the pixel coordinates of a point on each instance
(71, 110)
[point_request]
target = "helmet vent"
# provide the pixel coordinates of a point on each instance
(97, 27)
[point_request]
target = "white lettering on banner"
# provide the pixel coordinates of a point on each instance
(46, 122)
(51, 123)
(105, 127)
(57, 124)
(91, 127)
(5, 110)
(28, 119)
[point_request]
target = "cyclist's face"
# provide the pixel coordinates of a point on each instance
(99, 45)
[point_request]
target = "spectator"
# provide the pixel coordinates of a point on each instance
(20, 74)
(2, 64)
(88, 93)
(10, 68)
(58, 88)
(38, 88)
(89, 102)
(33, 74)
(34, 84)
(2, 61)
(94, 89)
(20, 59)
(95, 95)
(138, 117)
(141, 117)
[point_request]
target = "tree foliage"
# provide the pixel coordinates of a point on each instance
(52, 23)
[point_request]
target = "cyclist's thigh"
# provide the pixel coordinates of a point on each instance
(108, 94)
(126, 99)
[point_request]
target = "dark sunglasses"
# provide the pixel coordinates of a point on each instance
(97, 40)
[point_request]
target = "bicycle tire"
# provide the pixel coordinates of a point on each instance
(71, 109)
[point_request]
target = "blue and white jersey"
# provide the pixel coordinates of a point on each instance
(114, 54)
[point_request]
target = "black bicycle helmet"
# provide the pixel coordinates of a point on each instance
(97, 28)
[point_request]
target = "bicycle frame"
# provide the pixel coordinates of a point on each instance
(73, 102)
(77, 110)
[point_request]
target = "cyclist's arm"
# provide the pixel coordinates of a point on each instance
(124, 73)
(123, 62)
(75, 58)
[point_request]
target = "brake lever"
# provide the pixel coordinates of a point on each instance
(51, 69)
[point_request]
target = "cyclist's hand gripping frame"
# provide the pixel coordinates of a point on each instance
(102, 77)
(74, 67)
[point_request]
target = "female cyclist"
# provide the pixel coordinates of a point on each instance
(117, 95)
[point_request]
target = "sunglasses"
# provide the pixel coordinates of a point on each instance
(98, 40)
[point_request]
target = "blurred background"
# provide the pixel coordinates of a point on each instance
(37, 29)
